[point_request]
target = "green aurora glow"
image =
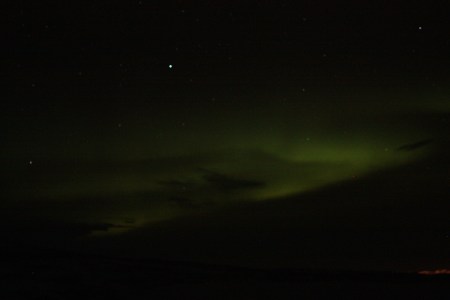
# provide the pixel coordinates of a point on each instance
(151, 170)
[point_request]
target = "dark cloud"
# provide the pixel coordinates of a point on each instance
(176, 185)
(53, 231)
(211, 180)
(228, 183)
(415, 146)
(183, 202)
(129, 220)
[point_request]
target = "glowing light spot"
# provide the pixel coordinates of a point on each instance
(435, 272)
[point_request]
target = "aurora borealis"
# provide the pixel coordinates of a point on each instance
(219, 160)
(259, 134)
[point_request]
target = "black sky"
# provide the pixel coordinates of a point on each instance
(262, 133)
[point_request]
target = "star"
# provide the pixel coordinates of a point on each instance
(170, 66)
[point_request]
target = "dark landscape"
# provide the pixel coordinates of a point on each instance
(64, 275)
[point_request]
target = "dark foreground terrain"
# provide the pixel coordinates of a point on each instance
(65, 275)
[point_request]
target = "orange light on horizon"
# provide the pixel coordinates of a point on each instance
(435, 272)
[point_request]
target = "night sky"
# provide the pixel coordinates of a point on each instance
(304, 134)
